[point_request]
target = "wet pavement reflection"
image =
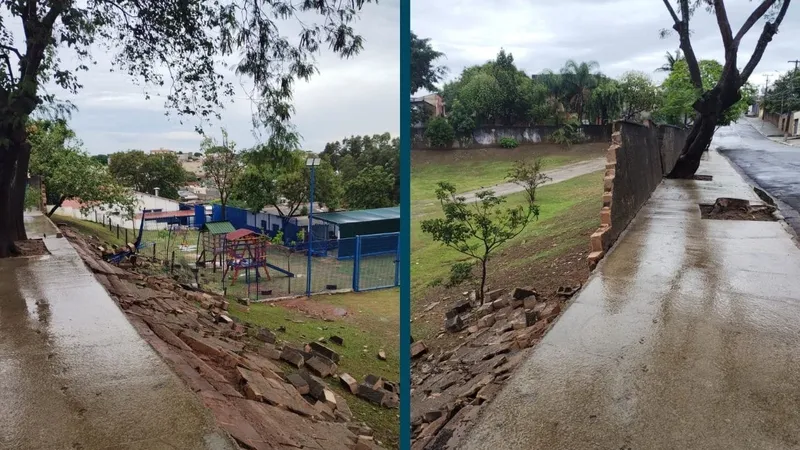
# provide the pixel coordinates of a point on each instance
(74, 373)
(686, 336)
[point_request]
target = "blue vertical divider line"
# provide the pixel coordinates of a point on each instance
(405, 223)
(357, 264)
(397, 265)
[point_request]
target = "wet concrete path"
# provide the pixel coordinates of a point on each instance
(686, 336)
(74, 374)
(774, 166)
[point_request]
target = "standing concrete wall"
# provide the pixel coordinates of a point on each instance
(637, 160)
(489, 136)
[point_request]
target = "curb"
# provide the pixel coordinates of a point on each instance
(780, 218)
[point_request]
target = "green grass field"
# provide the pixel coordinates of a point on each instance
(470, 175)
(571, 203)
(476, 168)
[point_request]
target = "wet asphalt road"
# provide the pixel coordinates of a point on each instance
(773, 166)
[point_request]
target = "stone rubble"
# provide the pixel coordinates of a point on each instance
(235, 369)
(450, 386)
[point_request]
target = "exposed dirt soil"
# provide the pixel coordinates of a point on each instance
(315, 309)
(32, 247)
(425, 157)
(757, 214)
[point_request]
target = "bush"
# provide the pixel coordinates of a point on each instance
(508, 142)
(459, 273)
(568, 134)
(440, 133)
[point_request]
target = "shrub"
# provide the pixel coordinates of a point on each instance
(568, 134)
(459, 273)
(440, 133)
(508, 142)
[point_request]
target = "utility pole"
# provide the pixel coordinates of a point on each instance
(796, 63)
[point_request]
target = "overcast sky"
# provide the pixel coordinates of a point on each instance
(620, 35)
(348, 97)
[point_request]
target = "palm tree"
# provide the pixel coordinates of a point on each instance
(671, 60)
(580, 79)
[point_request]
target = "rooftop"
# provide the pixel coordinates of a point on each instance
(364, 215)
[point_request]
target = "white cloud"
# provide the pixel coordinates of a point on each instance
(620, 35)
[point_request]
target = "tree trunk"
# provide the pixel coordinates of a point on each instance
(710, 108)
(20, 189)
(57, 205)
(8, 229)
(483, 280)
(222, 204)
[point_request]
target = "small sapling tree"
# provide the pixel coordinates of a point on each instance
(477, 228)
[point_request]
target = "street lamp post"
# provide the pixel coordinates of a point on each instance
(312, 164)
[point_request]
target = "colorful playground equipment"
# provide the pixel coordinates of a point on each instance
(246, 250)
(211, 243)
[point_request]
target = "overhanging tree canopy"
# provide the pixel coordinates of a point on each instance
(191, 39)
(726, 92)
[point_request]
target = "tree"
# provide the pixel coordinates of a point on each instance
(529, 175)
(478, 228)
(440, 133)
(556, 95)
(355, 154)
(424, 74)
(671, 61)
(605, 102)
(679, 95)
(146, 172)
(102, 159)
(496, 92)
(712, 104)
(639, 94)
(222, 165)
(784, 95)
(580, 79)
(371, 188)
(69, 173)
(462, 122)
(190, 38)
(285, 184)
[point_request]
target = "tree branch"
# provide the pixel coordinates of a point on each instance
(723, 23)
(682, 27)
(754, 16)
(770, 28)
(11, 79)
(672, 12)
(12, 49)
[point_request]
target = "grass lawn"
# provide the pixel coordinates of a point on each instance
(570, 205)
(372, 323)
(476, 168)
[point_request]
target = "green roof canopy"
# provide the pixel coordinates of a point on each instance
(364, 215)
(218, 227)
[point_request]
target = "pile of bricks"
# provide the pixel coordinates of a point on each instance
(238, 371)
(450, 386)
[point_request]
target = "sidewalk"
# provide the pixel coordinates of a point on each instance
(771, 132)
(686, 336)
(74, 374)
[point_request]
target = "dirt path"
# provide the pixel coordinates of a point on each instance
(558, 175)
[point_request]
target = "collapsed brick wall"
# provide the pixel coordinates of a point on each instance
(636, 162)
